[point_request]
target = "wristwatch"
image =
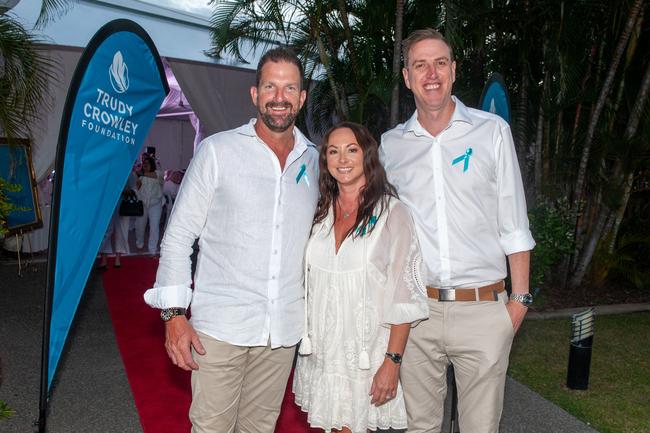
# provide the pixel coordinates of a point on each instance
(395, 357)
(523, 298)
(167, 313)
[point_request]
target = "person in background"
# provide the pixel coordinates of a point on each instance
(172, 183)
(456, 169)
(149, 190)
(116, 238)
(173, 180)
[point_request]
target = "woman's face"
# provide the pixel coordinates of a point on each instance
(345, 158)
(146, 166)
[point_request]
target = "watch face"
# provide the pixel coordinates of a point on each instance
(395, 357)
(526, 299)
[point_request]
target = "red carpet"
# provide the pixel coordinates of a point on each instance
(161, 391)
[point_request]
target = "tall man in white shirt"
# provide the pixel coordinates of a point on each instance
(249, 196)
(456, 168)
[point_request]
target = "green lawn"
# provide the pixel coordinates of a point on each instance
(618, 398)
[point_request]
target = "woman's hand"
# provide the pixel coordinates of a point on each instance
(384, 384)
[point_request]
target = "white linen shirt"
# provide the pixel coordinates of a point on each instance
(253, 222)
(471, 214)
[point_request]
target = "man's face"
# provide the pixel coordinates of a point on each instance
(278, 97)
(430, 74)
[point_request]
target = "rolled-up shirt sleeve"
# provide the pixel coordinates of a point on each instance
(514, 231)
(174, 277)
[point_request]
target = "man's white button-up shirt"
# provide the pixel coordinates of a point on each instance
(252, 220)
(465, 192)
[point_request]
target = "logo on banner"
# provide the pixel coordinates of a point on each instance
(119, 74)
(108, 115)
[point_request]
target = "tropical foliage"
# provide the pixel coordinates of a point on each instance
(24, 74)
(578, 74)
(25, 71)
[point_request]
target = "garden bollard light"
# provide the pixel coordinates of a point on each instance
(582, 336)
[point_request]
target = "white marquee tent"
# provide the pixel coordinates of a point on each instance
(217, 93)
(206, 95)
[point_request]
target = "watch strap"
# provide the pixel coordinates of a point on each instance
(395, 357)
(523, 298)
(169, 313)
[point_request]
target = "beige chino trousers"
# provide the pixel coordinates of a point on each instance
(238, 389)
(476, 338)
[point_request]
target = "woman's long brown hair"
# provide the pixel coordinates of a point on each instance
(374, 194)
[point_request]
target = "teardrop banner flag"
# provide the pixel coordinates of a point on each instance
(495, 97)
(115, 94)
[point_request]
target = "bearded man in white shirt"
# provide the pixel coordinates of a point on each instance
(456, 168)
(249, 196)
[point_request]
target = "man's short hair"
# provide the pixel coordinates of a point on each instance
(421, 35)
(276, 55)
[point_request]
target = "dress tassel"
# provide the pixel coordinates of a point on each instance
(364, 360)
(305, 346)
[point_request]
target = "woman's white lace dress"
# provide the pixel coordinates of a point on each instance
(353, 297)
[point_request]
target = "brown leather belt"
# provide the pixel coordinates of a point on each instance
(485, 293)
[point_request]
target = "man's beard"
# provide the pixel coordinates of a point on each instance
(278, 125)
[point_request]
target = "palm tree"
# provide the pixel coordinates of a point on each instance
(25, 71)
(575, 70)
(342, 44)
(399, 24)
(24, 74)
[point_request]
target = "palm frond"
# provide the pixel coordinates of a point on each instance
(24, 75)
(51, 9)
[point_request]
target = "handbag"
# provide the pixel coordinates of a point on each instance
(131, 206)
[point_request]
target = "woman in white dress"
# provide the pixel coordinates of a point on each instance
(117, 231)
(363, 291)
(149, 190)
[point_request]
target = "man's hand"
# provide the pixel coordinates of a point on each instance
(384, 384)
(517, 312)
(179, 338)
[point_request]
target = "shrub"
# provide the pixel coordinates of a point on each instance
(550, 223)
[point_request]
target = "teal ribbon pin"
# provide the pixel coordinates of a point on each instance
(464, 157)
(302, 173)
(361, 231)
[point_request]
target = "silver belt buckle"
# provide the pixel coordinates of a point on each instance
(447, 295)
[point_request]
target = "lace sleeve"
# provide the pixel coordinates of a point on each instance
(405, 295)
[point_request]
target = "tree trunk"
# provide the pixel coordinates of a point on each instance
(604, 92)
(606, 217)
(583, 87)
(584, 259)
(630, 130)
(639, 104)
(546, 152)
(521, 132)
(324, 58)
(397, 48)
(351, 50)
(539, 141)
(520, 122)
(620, 212)
(537, 154)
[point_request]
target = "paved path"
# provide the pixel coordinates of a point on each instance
(92, 393)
